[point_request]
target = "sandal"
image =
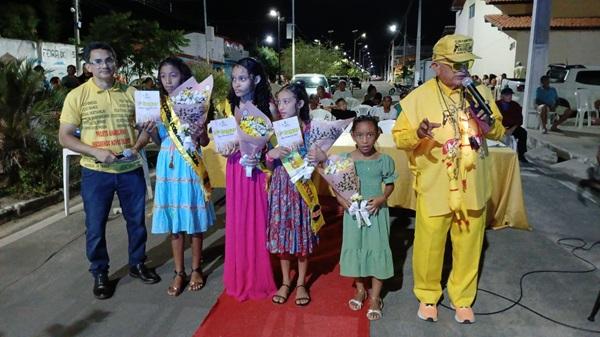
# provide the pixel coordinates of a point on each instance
(355, 304)
(375, 314)
(196, 285)
(278, 299)
(302, 301)
(176, 291)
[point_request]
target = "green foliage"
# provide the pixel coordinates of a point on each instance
(321, 59)
(30, 156)
(18, 21)
(268, 57)
(140, 44)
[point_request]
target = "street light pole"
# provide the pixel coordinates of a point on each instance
(206, 33)
(293, 38)
(363, 35)
(418, 51)
(278, 48)
(77, 39)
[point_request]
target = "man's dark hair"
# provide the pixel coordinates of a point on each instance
(544, 77)
(71, 66)
(54, 80)
(339, 100)
(97, 45)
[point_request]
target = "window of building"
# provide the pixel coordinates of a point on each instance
(471, 11)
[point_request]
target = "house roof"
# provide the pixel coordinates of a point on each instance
(506, 22)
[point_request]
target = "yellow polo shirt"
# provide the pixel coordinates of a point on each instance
(425, 155)
(106, 119)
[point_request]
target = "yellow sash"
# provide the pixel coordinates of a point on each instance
(172, 124)
(308, 191)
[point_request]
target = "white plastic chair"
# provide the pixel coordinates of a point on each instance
(395, 98)
(362, 109)
(321, 114)
(584, 105)
(386, 126)
(352, 103)
(510, 141)
(326, 101)
(66, 176)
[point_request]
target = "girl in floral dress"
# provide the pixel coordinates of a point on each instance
(290, 235)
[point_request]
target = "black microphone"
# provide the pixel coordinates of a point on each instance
(468, 83)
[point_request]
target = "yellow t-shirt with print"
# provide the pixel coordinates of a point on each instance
(106, 119)
(425, 155)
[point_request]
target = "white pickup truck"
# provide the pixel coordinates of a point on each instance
(567, 79)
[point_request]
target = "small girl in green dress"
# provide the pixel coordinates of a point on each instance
(366, 254)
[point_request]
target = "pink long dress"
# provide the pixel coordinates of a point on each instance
(248, 273)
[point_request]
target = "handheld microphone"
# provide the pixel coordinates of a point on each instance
(468, 83)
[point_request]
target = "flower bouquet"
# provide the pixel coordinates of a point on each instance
(254, 130)
(324, 134)
(190, 103)
(340, 173)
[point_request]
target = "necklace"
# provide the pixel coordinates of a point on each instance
(450, 112)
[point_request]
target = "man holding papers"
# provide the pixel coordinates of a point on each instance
(104, 110)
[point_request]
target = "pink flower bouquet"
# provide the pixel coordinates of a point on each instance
(190, 103)
(254, 131)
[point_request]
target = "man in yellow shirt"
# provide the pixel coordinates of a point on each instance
(105, 112)
(445, 144)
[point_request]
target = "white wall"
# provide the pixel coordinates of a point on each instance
(197, 47)
(565, 46)
(54, 57)
(489, 43)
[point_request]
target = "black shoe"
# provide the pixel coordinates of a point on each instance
(147, 276)
(103, 287)
(523, 160)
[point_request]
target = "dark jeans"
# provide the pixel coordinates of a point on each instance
(98, 190)
(520, 135)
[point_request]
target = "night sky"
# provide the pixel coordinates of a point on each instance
(248, 21)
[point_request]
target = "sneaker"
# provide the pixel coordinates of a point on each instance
(427, 312)
(464, 315)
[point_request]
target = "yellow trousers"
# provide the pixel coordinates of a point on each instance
(428, 255)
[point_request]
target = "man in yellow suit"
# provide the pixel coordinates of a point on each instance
(443, 132)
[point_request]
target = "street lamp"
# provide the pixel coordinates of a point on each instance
(269, 39)
(275, 14)
(362, 36)
(393, 29)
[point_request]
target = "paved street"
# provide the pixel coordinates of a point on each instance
(45, 289)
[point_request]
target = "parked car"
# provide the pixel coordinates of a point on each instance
(311, 82)
(566, 79)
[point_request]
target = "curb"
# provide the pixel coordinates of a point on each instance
(28, 207)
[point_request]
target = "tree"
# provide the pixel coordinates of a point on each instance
(311, 58)
(18, 21)
(140, 44)
(268, 57)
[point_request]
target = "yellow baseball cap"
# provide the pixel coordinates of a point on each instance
(455, 48)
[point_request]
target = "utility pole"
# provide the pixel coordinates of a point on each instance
(76, 26)
(293, 38)
(418, 51)
(206, 33)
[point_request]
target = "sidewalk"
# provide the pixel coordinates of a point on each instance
(571, 151)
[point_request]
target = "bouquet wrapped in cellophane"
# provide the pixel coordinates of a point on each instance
(254, 131)
(190, 103)
(340, 173)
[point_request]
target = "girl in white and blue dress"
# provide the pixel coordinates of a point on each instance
(180, 208)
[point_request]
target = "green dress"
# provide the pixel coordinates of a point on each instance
(366, 250)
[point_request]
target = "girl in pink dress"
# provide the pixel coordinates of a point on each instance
(248, 273)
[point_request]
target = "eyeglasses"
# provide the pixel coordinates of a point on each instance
(368, 135)
(457, 66)
(109, 62)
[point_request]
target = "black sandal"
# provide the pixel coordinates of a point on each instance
(195, 286)
(176, 291)
(278, 299)
(302, 301)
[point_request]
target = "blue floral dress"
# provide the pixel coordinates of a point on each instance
(289, 223)
(179, 205)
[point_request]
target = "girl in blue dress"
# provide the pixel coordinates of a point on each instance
(180, 206)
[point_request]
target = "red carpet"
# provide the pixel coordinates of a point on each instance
(327, 314)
